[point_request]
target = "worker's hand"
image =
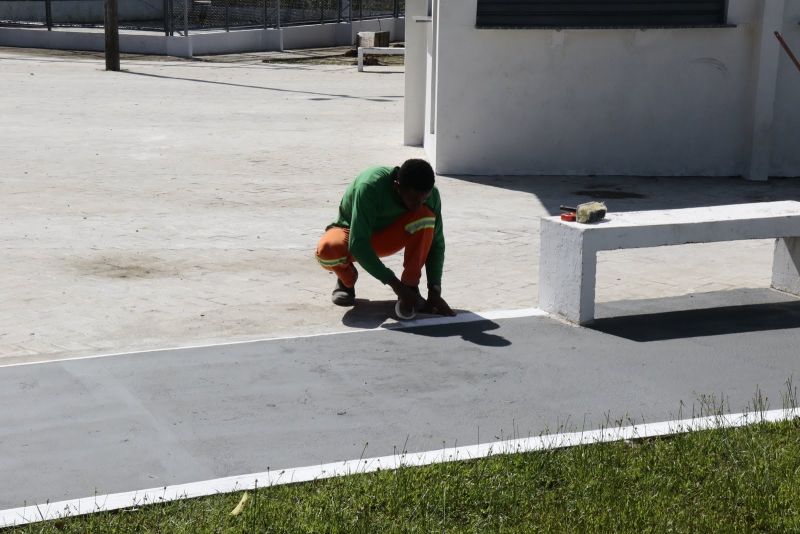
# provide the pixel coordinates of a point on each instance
(408, 295)
(436, 305)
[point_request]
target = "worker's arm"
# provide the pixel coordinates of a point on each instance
(434, 265)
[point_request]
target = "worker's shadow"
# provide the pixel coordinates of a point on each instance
(371, 314)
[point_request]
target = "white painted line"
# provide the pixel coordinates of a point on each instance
(116, 501)
(464, 317)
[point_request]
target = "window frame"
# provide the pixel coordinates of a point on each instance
(483, 24)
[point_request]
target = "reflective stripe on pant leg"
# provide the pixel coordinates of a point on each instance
(420, 224)
(333, 255)
(332, 263)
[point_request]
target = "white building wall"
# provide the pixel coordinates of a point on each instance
(624, 101)
(785, 159)
(415, 71)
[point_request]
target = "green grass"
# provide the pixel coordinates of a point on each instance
(731, 480)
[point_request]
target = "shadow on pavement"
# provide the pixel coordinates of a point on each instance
(635, 193)
(371, 314)
(368, 313)
(260, 87)
(702, 322)
(476, 332)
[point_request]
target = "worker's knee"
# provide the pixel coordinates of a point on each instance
(332, 247)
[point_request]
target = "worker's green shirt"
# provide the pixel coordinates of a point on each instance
(371, 204)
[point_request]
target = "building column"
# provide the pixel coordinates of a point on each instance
(416, 30)
(766, 72)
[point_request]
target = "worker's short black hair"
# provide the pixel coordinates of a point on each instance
(416, 174)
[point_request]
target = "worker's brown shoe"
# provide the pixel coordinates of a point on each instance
(343, 295)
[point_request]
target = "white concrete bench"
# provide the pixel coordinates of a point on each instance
(568, 250)
(377, 50)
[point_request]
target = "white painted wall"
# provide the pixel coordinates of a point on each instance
(785, 157)
(200, 43)
(624, 101)
(129, 42)
(234, 41)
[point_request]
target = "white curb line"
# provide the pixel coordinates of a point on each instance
(116, 501)
(464, 317)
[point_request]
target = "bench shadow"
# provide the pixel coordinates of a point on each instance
(370, 314)
(717, 321)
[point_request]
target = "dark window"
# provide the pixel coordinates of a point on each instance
(599, 13)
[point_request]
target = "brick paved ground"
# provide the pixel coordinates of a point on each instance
(179, 203)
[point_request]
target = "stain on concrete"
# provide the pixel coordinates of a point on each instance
(125, 267)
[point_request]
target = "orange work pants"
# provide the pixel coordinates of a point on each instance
(412, 232)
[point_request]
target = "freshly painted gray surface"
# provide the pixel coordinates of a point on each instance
(73, 428)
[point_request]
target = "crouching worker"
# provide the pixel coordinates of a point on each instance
(383, 211)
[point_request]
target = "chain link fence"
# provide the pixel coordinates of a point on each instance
(176, 16)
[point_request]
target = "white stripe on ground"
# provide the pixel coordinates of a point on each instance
(116, 501)
(464, 317)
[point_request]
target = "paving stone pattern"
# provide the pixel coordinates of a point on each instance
(179, 203)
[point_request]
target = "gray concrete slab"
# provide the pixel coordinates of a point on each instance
(71, 429)
(180, 203)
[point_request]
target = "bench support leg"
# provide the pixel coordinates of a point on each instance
(786, 265)
(566, 274)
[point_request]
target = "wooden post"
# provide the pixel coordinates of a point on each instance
(48, 14)
(227, 17)
(166, 18)
(112, 35)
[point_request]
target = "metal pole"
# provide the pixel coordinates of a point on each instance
(265, 14)
(279, 14)
(227, 20)
(48, 14)
(112, 35)
(339, 11)
(322, 11)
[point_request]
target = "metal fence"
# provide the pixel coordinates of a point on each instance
(178, 16)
